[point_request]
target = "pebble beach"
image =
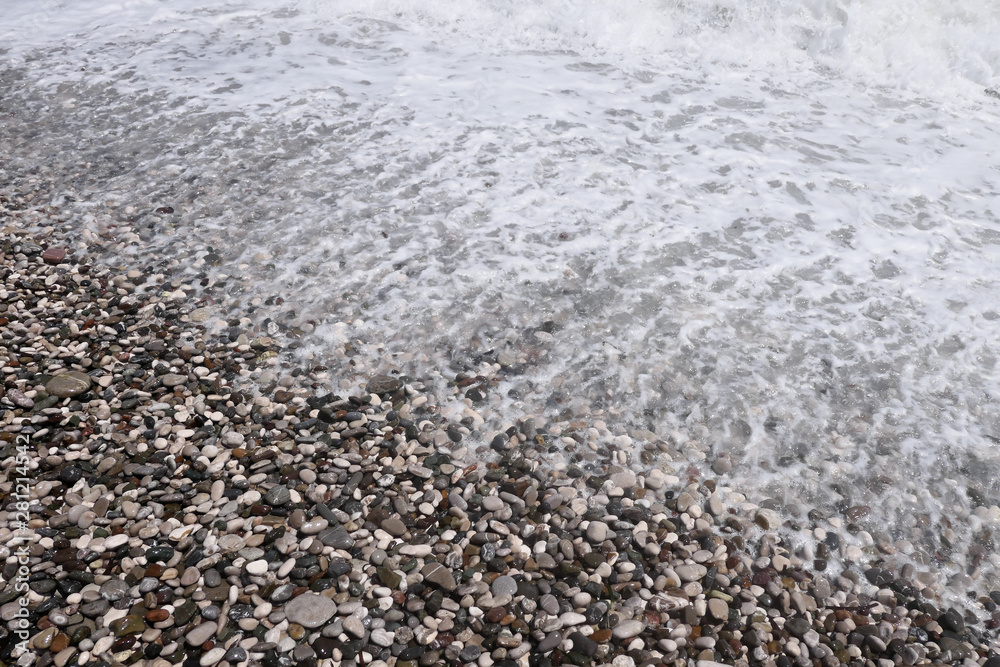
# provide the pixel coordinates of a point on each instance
(180, 496)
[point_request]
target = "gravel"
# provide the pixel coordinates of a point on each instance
(190, 504)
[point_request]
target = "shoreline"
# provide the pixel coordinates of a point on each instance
(178, 517)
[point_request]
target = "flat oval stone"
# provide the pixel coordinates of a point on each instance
(95, 608)
(310, 610)
(718, 609)
(439, 575)
(257, 567)
(389, 578)
(44, 639)
(627, 629)
(20, 400)
(173, 379)
(492, 504)
(200, 314)
(282, 593)
(148, 585)
(128, 625)
(394, 526)
(382, 638)
(160, 553)
(212, 657)
(236, 654)
(314, 526)
(185, 612)
(277, 496)
(201, 633)
(157, 615)
(691, 572)
(504, 585)
(54, 255)
(212, 613)
(597, 531)
(66, 385)
(470, 653)
(114, 589)
(551, 640)
(252, 553)
(115, 541)
(354, 626)
(230, 543)
(217, 594)
(62, 658)
(70, 475)
(383, 384)
(212, 578)
(416, 550)
(336, 537)
(190, 577)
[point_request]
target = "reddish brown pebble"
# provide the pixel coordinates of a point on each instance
(54, 255)
(157, 615)
(165, 209)
(120, 644)
(601, 636)
(59, 643)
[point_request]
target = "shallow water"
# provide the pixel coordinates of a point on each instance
(764, 230)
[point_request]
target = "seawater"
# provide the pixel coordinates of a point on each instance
(764, 230)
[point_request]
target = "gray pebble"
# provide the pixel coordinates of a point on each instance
(504, 585)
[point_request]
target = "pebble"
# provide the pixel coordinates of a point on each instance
(277, 496)
(212, 657)
(310, 610)
(69, 384)
(115, 541)
(767, 519)
(173, 380)
(114, 590)
(257, 567)
(492, 504)
(504, 585)
(235, 655)
(627, 629)
(394, 526)
(383, 384)
(718, 609)
(54, 255)
(201, 634)
(439, 575)
(597, 531)
(691, 572)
